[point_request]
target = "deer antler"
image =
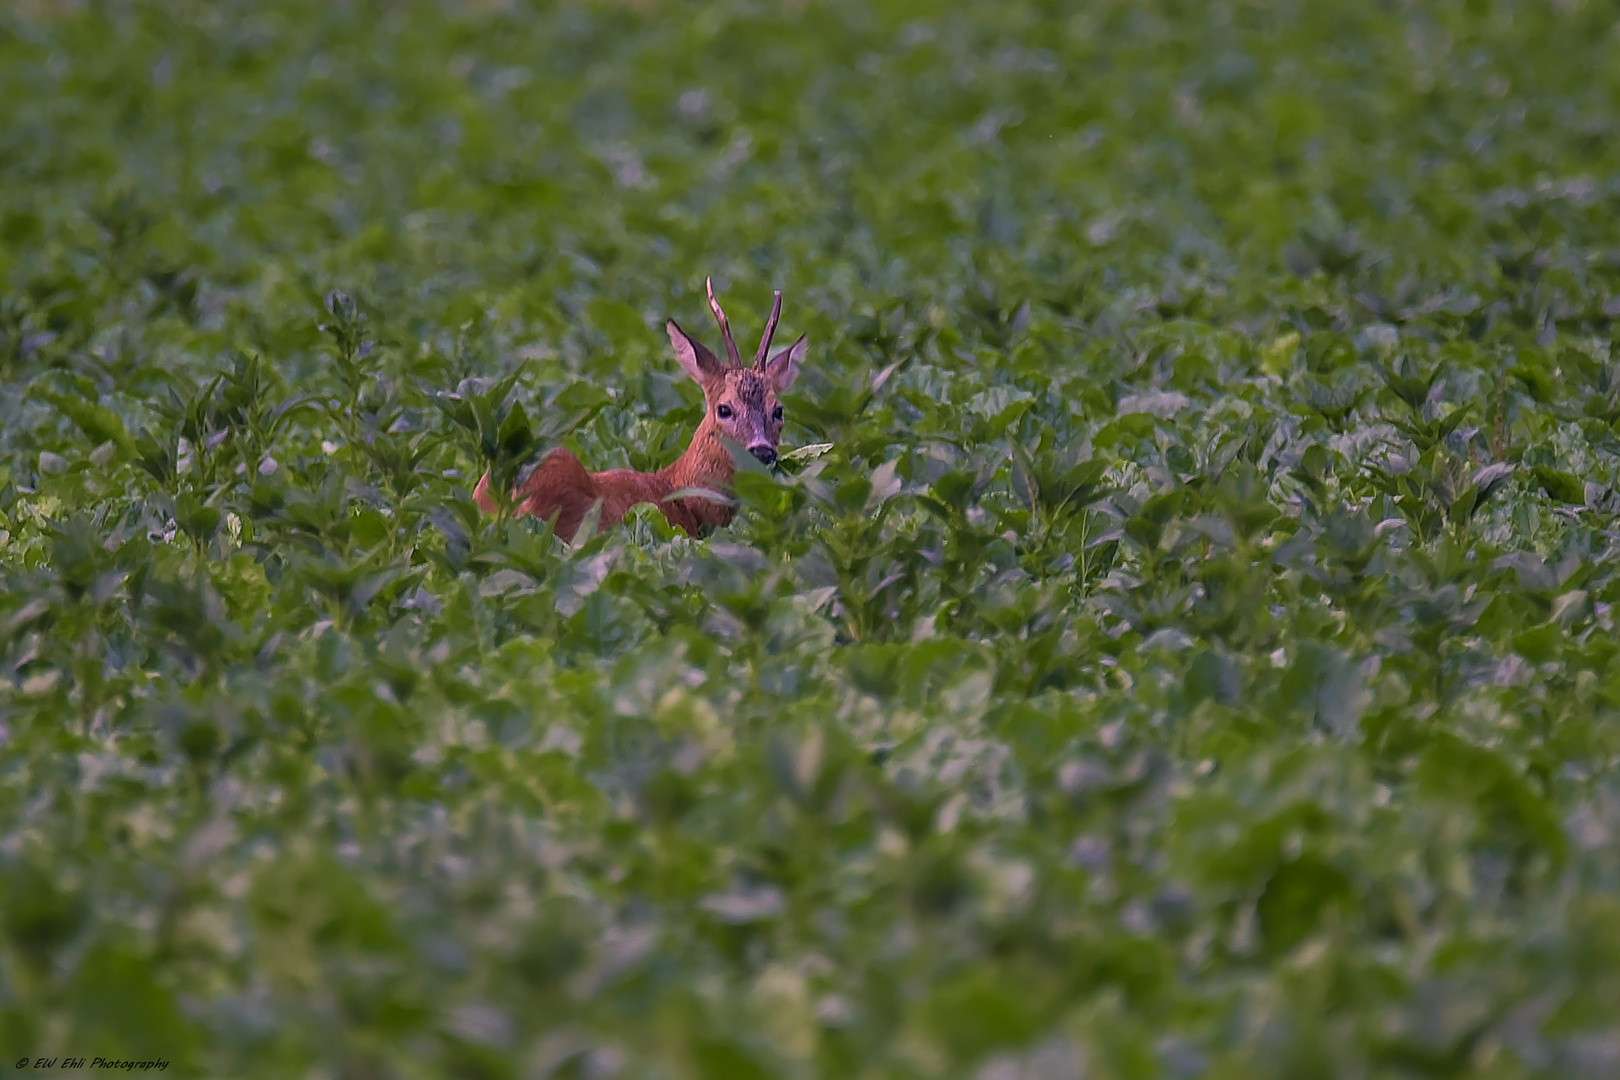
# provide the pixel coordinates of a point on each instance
(770, 332)
(725, 327)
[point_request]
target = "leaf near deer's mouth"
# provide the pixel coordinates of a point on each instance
(806, 453)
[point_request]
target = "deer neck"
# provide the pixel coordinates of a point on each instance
(706, 463)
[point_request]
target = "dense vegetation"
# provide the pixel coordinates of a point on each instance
(1179, 647)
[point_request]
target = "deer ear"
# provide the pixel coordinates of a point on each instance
(783, 368)
(698, 362)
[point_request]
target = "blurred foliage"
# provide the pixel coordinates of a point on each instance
(1182, 647)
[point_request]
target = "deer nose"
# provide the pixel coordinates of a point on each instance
(765, 454)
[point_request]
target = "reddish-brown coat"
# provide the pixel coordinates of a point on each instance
(740, 405)
(562, 486)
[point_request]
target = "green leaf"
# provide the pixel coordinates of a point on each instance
(97, 421)
(706, 494)
(1563, 486)
(1024, 482)
(1509, 808)
(198, 520)
(581, 395)
(516, 440)
(807, 453)
(120, 1008)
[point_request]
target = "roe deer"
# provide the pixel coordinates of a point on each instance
(740, 405)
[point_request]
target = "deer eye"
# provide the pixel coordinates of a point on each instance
(776, 414)
(723, 412)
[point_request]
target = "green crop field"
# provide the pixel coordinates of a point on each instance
(1176, 643)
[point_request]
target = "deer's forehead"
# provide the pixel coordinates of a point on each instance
(747, 387)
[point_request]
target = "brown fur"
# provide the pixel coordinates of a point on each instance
(562, 486)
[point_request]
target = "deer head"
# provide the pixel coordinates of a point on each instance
(741, 401)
